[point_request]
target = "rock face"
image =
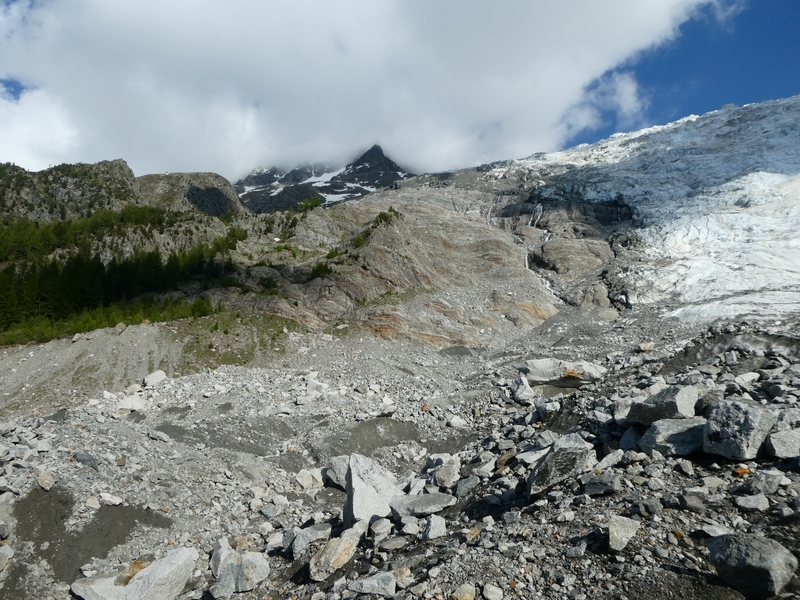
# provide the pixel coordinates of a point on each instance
(736, 430)
(756, 566)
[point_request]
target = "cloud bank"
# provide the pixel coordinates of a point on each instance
(225, 87)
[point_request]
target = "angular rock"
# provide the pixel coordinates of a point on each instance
(236, 572)
(630, 440)
(133, 402)
(756, 566)
(369, 489)
(521, 390)
(435, 527)
(601, 485)
(154, 378)
(336, 472)
(568, 456)
(305, 537)
(620, 531)
(492, 592)
(448, 474)
(784, 444)
(754, 503)
(466, 485)
(47, 480)
(97, 588)
(612, 459)
(675, 402)
(336, 553)
(382, 584)
(674, 437)
(736, 430)
(561, 373)
(466, 591)
(421, 505)
(163, 579)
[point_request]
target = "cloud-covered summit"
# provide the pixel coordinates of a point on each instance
(229, 86)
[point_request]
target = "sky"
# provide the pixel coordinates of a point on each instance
(227, 87)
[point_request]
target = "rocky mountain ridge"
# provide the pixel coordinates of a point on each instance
(478, 399)
(265, 190)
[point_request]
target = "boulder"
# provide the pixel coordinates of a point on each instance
(521, 390)
(675, 402)
(568, 456)
(674, 437)
(784, 444)
(154, 378)
(163, 579)
(421, 505)
(305, 537)
(435, 527)
(236, 572)
(620, 531)
(562, 373)
(335, 473)
(370, 489)
(381, 584)
(756, 566)
(736, 430)
(336, 553)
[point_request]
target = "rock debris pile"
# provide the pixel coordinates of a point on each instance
(649, 475)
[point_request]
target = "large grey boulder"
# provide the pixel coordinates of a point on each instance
(336, 553)
(164, 579)
(521, 390)
(305, 537)
(675, 402)
(420, 505)
(335, 473)
(569, 455)
(756, 566)
(382, 584)
(736, 430)
(674, 437)
(370, 488)
(784, 444)
(562, 373)
(236, 572)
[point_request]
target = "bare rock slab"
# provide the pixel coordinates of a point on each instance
(370, 488)
(736, 430)
(562, 373)
(674, 402)
(756, 566)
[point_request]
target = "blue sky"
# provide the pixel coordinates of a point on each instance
(202, 85)
(751, 57)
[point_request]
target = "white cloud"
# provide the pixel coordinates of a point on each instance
(205, 85)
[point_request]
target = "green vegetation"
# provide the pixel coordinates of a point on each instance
(41, 328)
(320, 269)
(383, 217)
(30, 240)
